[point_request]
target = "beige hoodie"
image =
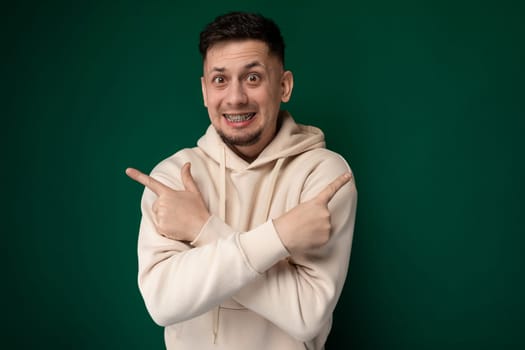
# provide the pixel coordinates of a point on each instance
(236, 286)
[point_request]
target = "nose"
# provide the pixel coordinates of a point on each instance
(236, 94)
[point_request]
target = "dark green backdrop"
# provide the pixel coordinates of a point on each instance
(424, 98)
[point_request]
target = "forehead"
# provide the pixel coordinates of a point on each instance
(234, 54)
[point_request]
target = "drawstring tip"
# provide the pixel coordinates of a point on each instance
(216, 323)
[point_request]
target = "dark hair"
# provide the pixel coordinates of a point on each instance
(240, 26)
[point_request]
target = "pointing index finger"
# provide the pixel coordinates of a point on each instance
(146, 180)
(329, 191)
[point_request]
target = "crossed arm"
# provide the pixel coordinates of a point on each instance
(180, 215)
(222, 268)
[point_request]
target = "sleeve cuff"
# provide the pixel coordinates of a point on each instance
(262, 247)
(212, 230)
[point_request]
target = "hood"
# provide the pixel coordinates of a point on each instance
(291, 139)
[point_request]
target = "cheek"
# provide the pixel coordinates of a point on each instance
(213, 99)
(263, 96)
(271, 99)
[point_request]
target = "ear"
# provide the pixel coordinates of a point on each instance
(203, 87)
(286, 86)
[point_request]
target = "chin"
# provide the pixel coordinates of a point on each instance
(241, 139)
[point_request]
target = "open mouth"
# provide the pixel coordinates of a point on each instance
(237, 118)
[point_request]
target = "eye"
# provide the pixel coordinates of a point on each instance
(218, 80)
(253, 78)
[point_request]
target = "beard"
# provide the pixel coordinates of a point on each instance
(241, 140)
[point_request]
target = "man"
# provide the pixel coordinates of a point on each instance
(250, 249)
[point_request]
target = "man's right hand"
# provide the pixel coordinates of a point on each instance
(177, 215)
(308, 226)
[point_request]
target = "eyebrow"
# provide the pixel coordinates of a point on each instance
(247, 66)
(254, 64)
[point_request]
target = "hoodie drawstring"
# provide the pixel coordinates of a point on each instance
(222, 189)
(215, 324)
(269, 194)
(222, 216)
(222, 213)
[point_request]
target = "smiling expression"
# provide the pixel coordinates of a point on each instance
(243, 86)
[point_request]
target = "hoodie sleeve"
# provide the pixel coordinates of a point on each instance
(178, 281)
(299, 294)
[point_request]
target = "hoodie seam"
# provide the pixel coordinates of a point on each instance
(243, 254)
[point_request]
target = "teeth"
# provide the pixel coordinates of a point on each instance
(236, 118)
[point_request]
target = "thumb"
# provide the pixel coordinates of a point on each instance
(187, 179)
(329, 191)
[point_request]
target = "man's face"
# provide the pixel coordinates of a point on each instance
(243, 86)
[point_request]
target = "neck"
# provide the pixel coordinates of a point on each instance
(246, 153)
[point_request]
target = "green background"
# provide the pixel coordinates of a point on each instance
(425, 99)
